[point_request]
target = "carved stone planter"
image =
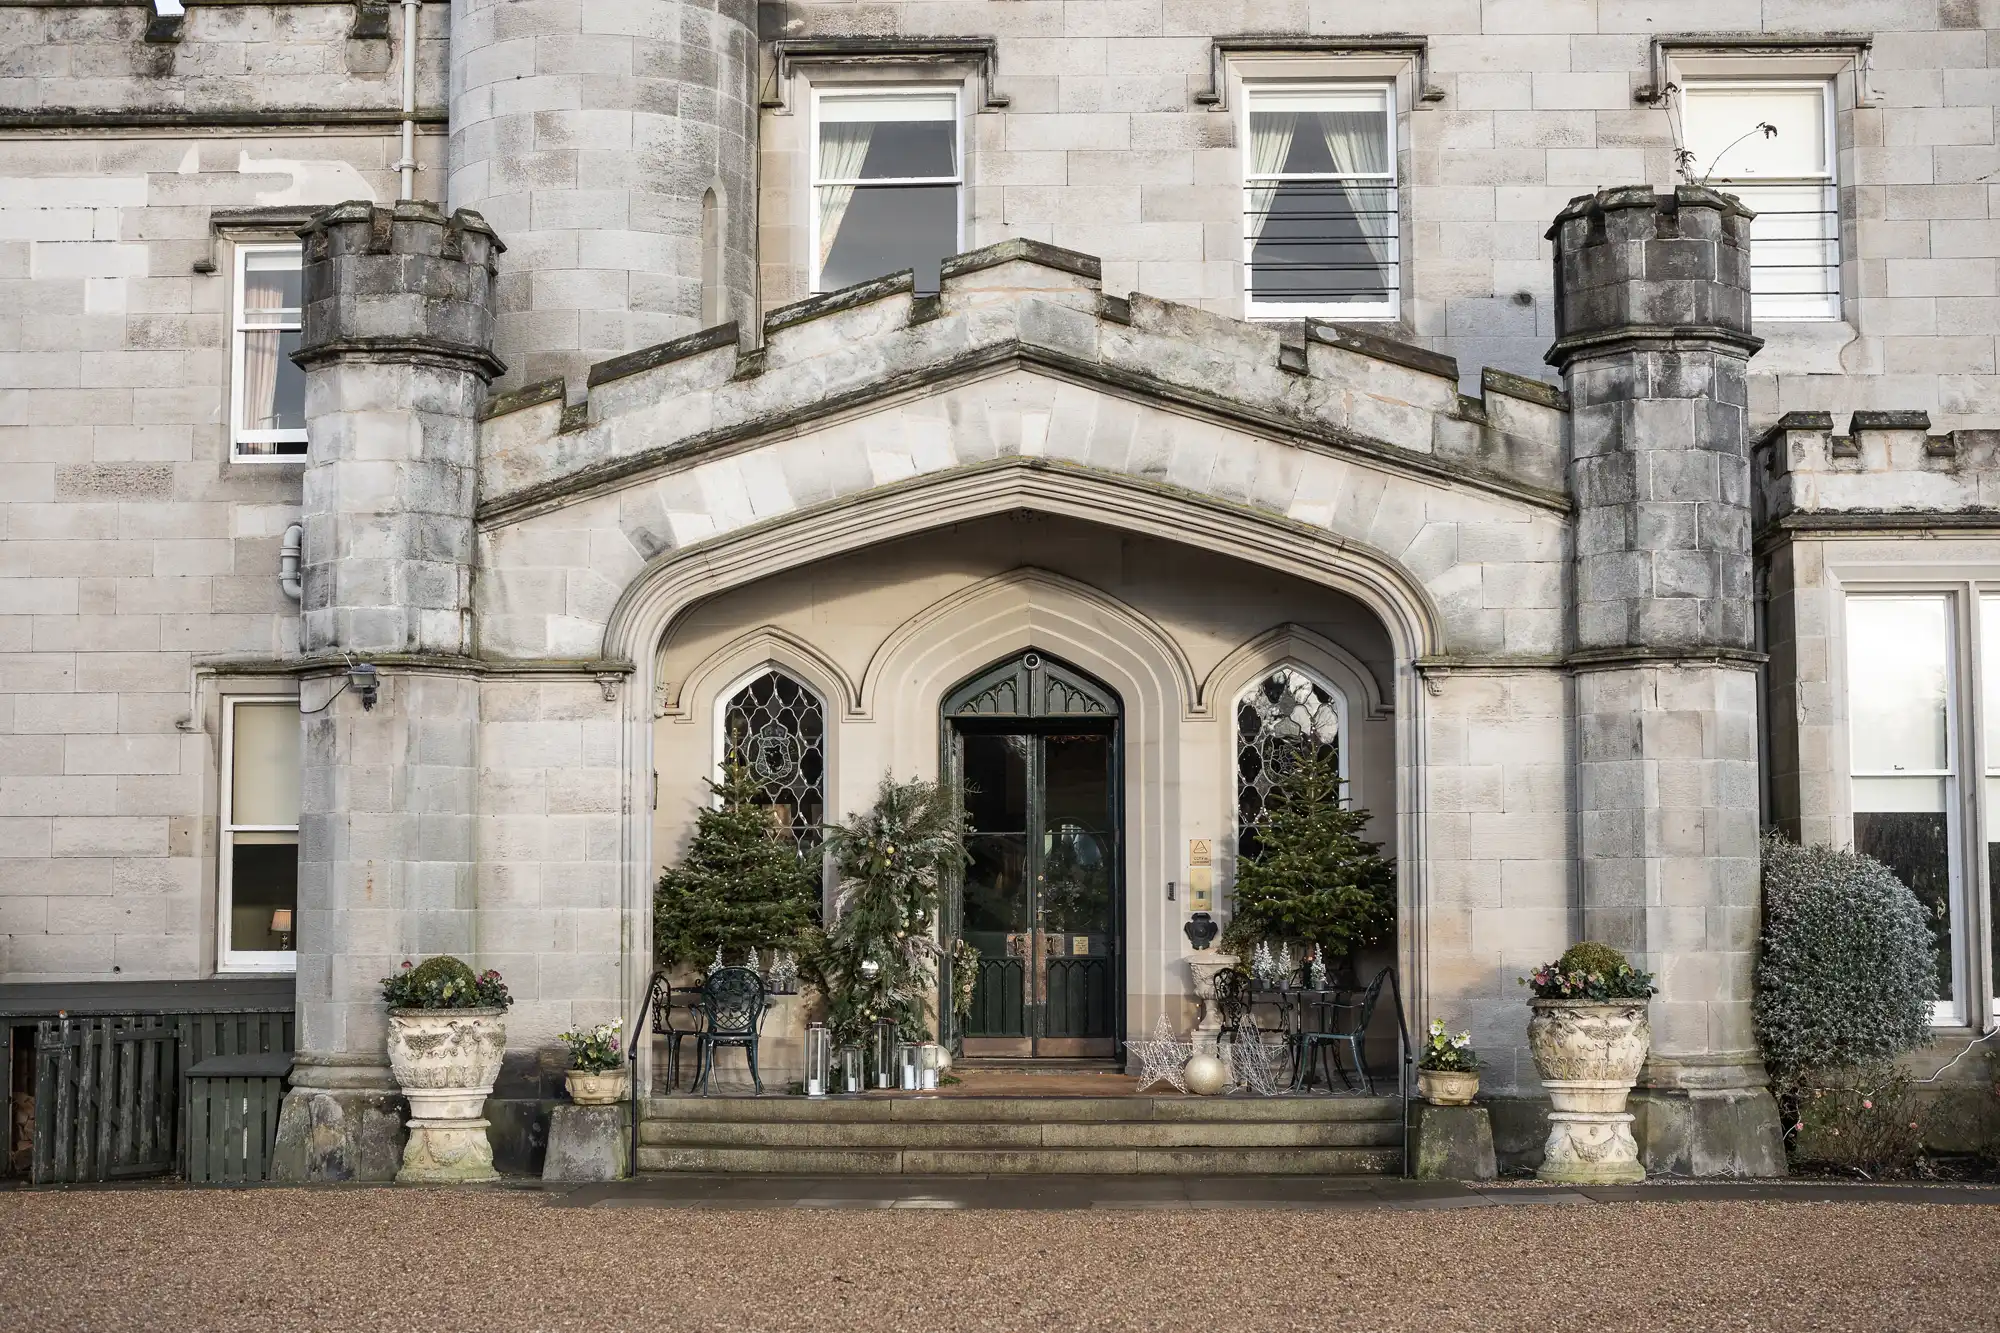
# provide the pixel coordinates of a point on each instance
(445, 1061)
(595, 1089)
(1203, 968)
(1589, 1054)
(1448, 1087)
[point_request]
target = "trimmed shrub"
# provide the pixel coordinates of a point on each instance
(1847, 975)
(1590, 956)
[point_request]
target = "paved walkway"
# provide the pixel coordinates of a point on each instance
(1244, 1192)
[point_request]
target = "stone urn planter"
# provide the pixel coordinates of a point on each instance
(599, 1089)
(445, 1061)
(1203, 968)
(1448, 1087)
(1589, 1053)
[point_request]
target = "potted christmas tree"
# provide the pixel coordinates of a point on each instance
(1311, 877)
(743, 884)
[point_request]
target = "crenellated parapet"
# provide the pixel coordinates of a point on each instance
(1632, 265)
(1887, 468)
(1018, 303)
(405, 281)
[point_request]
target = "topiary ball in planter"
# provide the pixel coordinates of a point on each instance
(445, 1041)
(1591, 957)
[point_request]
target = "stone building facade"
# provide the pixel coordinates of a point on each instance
(787, 371)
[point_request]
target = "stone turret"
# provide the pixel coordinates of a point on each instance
(1653, 339)
(396, 350)
(590, 134)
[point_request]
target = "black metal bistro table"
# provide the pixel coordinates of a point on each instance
(1301, 1009)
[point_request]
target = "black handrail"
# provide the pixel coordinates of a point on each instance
(632, 1062)
(1402, 1079)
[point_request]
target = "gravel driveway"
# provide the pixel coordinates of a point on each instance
(267, 1259)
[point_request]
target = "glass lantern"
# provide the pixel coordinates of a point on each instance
(847, 1070)
(906, 1065)
(819, 1060)
(885, 1053)
(927, 1065)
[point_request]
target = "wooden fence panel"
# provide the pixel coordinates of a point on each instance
(97, 1114)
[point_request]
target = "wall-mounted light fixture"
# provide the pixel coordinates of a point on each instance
(362, 680)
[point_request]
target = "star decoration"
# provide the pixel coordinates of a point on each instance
(1259, 1067)
(1161, 1058)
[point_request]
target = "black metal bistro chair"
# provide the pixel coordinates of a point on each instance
(732, 1011)
(676, 1016)
(1233, 991)
(1343, 1025)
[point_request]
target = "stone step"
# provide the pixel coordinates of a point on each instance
(893, 1109)
(1044, 1161)
(1021, 1134)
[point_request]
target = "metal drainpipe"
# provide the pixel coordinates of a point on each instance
(408, 165)
(288, 562)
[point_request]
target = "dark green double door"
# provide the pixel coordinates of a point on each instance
(1041, 897)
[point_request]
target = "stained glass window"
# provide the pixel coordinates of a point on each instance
(1281, 715)
(776, 728)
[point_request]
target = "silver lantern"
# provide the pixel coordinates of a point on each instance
(819, 1060)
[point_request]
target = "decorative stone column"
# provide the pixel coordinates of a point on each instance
(396, 355)
(1653, 339)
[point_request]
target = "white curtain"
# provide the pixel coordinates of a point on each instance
(260, 351)
(1270, 144)
(843, 148)
(1354, 141)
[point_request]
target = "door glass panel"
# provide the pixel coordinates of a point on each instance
(1041, 890)
(1076, 853)
(996, 782)
(998, 913)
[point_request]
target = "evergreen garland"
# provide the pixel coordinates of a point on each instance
(1313, 878)
(742, 885)
(879, 957)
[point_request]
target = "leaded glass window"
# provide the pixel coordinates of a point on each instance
(776, 728)
(1282, 715)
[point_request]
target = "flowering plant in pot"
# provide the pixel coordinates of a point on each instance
(596, 1073)
(1589, 1037)
(1447, 1067)
(445, 1042)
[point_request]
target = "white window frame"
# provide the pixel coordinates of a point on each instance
(1952, 1012)
(243, 960)
(1827, 180)
(239, 434)
(1984, 728)
(1391, 309)
(837, 91)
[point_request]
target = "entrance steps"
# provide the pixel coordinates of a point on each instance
(890, 1134)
